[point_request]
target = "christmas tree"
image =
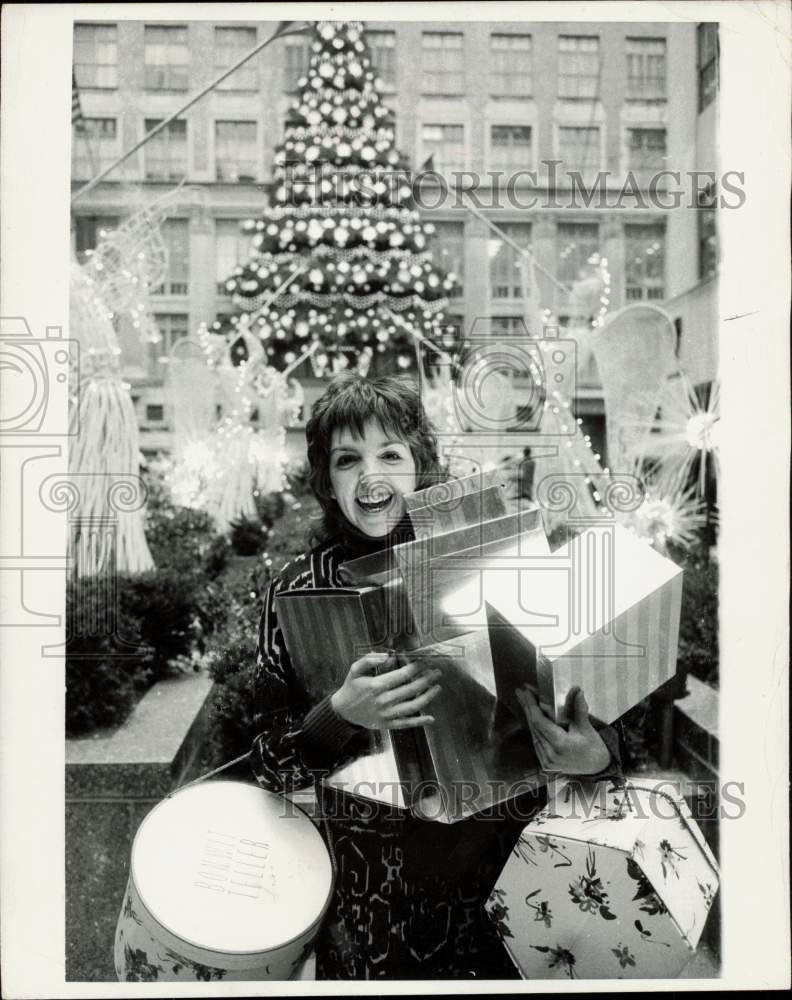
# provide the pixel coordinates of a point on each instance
(341, 256)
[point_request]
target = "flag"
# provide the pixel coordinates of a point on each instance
(427, 167)
(77, 116)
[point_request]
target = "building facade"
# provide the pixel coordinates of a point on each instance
(536, 125)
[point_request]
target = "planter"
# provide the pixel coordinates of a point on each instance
(113, 779)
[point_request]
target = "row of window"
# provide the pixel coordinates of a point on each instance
(578, 244)
(443, 61)
(236, 145)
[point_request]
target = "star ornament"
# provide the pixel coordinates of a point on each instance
(684, 436)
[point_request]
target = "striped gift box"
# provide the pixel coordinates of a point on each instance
(602, 613)
(377, 567)
(478, 752)
(426, 572)
(457, 503)
(327, 629)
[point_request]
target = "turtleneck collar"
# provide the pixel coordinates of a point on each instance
(359, 544)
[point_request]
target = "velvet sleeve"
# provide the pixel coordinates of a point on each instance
(299, 740)
(613, 769)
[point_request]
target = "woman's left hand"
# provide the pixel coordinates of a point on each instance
(578, 750)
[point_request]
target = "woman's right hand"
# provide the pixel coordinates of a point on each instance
(396, 699)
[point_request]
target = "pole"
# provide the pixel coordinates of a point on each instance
(280, 32)
(528, 254)
(524, 264)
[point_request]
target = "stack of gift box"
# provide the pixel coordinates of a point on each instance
(479, 595)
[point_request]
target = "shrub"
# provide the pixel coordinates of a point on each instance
(217, 556)
(181, 538)
(290, 536)
(298, 476)
(124, 639)
(231, 648)
(168, 606)
(248, 536)
(107, 662)
(232, 656)
(698, 625)
(270, 507)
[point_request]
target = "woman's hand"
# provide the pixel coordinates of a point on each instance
(578, 750)
(392, 700)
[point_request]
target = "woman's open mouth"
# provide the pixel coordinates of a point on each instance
(372, 506)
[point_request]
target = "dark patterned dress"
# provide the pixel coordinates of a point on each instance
(409, 893)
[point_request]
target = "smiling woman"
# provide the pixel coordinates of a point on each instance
(369, 475)
(409, 894)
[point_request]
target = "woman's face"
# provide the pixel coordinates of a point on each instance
(369, 476)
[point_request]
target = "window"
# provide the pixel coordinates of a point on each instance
(89, 230)
(646, 68)
(579, 148)
(644, 264)
(230, 45)
(167, 57)
(707, 232)
(578, 66)
(511, 65)
(298, 57)
(443, 63)
(232, 247)
(166, 153)
(448, 249)
(446, 143)
(172, 328)
(506, 263)
(707, 43)
(383, 55)
(507, 326)
(96, 56)
(510, 147)
(155, 412)
(94, 146)
(236, 151)
(647, 148)
(578, 242)
(176, 236)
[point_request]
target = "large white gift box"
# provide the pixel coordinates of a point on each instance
(601, 613)
(606, 882)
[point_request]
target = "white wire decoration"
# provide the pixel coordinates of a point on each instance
(104, 448)
(231, 442)
(634, 350)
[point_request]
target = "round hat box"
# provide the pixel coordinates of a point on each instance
(227, 882)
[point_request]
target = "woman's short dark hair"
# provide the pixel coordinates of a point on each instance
(349, 403)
